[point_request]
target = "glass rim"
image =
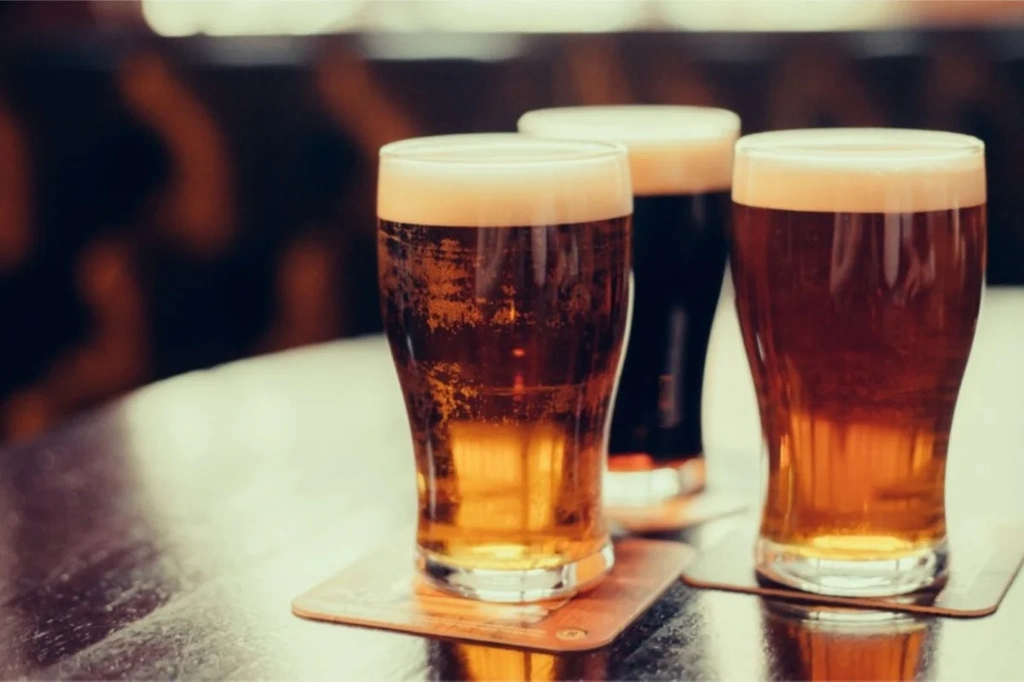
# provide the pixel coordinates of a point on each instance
(860, 170)
(501, 180)
(853, 145)
(505, 149)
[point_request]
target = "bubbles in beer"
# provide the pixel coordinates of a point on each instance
(508, 379)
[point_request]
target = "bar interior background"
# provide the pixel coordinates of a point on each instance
(184, 184)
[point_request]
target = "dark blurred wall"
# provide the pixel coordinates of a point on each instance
(170, 205)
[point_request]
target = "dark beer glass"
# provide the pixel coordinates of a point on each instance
(681, 164)
(858, 258)
(504, 277)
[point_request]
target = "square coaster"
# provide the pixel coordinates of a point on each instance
(677, 513)
(984, 560)
(384, 591)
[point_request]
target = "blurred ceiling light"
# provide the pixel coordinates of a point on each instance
(527, 16)
(780, 15)
(967, 12)
(480, 48)
(249, 17)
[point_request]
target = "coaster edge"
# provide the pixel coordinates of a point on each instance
(684, 551)
(849, 602)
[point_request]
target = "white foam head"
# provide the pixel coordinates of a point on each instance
(501, 180)
(672, 149)
(859, 170)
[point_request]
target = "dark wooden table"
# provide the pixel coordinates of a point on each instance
(166, 535)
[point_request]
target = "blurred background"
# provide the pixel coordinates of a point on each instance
(185, 183)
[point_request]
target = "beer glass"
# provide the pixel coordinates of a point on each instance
(681, 165)
(504, 277)
(858, 258)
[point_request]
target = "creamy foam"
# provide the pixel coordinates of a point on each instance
(501, 180)
(859, 170)
(672, 149)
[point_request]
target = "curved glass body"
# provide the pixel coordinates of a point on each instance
(504, 276)
(858, 262)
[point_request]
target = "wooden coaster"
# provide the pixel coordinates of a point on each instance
(678, 512)
(984, 560)
(384, 591)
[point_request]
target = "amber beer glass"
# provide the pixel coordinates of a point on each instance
(504, 276)
(858, 259)
(681, 165)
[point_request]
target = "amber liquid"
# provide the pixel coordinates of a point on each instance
(460, 661)
(857, 328)
(807, 650)
(507, 343)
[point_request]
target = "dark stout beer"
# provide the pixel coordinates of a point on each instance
(505, 297)
(858, 322)
(679, 248)
(681, 162)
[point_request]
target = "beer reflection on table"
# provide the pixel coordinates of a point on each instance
(833, 643)
(450, 660)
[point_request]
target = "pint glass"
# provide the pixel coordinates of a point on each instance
(681, 165)
(504, 277)
(858, 258)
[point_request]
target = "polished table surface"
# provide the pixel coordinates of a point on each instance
(166, 535)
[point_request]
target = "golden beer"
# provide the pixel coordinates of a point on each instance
(504, 275)
(858, 262)
(681, 166)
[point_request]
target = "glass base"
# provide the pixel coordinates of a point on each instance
(652, 484)
(794, 567)
(516, 587)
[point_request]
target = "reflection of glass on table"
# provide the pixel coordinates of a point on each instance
(461, 661)
(823, 643)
